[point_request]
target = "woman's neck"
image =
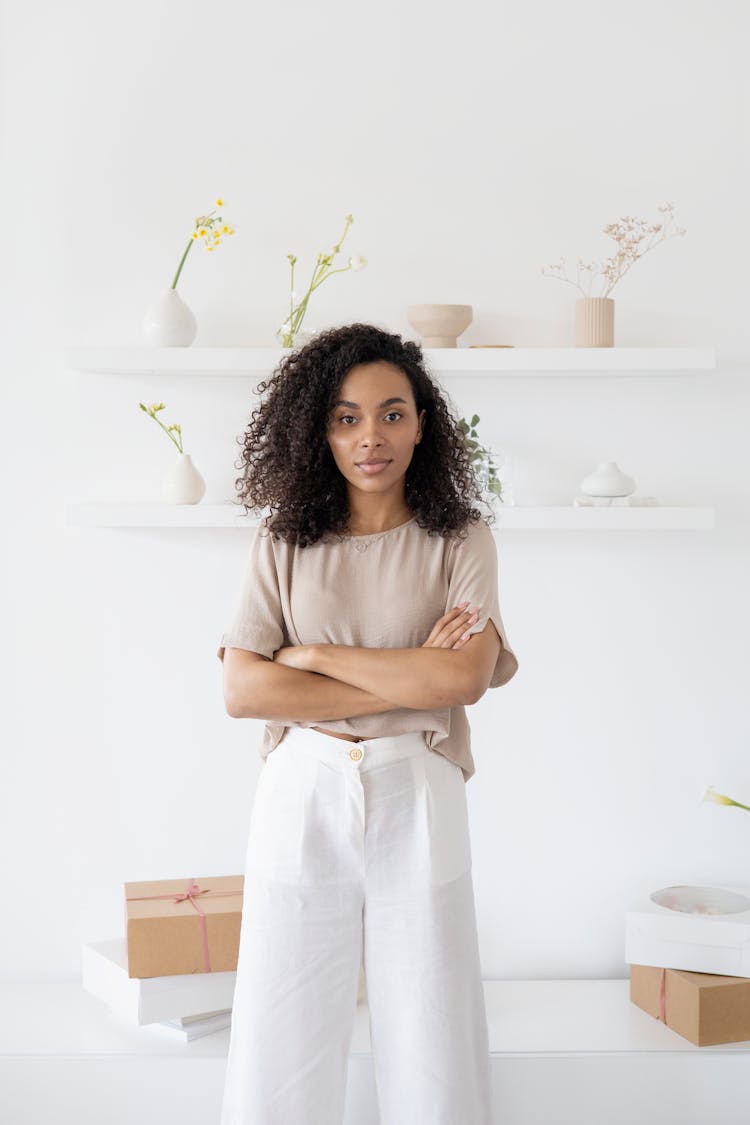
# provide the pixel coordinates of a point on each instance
(373, 523)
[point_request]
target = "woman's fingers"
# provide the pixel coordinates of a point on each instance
(440, 624)
(459, 628)
(450, 628)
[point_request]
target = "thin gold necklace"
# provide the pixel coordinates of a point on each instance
(380, 531)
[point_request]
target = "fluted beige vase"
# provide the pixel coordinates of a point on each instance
(595, 322)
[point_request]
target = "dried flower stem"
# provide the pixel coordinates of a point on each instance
(628, 232)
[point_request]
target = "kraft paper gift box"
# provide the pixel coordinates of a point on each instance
(700, 929)
(702, 1007)
(183, 925)
(180, 926)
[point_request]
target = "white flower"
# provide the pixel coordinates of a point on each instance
(710, 794)
(357, 262)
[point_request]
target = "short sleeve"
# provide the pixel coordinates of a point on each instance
(258, 621)
(473, 578)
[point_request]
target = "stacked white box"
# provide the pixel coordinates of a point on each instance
(699, 942)
(150, 999)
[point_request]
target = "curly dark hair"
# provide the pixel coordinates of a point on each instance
(288, 465)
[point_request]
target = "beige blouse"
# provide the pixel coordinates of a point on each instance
(383, 590)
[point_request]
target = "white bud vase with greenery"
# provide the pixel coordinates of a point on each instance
(168, 322)
(182, 484)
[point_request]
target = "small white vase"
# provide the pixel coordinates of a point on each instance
(168, 322)
(607, 480)
(183, 484)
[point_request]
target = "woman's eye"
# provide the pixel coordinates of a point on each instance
(344, 417)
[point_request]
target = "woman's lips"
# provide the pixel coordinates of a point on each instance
(373, 467)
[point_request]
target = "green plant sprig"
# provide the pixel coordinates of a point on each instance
(321, 272)
(152, 411)
(478, 452)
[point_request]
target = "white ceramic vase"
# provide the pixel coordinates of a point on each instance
(607, 480)
(183, 484)
(168, 322)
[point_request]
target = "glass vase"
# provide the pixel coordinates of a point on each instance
(493, 471)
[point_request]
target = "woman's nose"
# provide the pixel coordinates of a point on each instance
(370, 433)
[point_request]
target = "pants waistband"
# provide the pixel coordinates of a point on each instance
(343, 754)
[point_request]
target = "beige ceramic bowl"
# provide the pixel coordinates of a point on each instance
(439, 325)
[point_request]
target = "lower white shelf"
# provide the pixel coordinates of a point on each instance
(562, 517)
(563, 1052)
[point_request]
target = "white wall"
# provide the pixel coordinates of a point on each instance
(471, 143)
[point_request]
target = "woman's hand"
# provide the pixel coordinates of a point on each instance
(448, 631)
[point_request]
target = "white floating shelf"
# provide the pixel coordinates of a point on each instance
(441, 361)
(561, 517)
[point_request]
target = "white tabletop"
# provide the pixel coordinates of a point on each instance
(55, 1017)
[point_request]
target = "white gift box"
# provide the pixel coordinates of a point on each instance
(151, 999)
(700, 929)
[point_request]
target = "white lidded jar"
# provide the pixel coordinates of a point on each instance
(607, 480)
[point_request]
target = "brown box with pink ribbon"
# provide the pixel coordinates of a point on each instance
(705, 1008)
(190, 925)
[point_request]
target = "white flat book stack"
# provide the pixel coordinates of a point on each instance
(188, 1028)
(187, 1004)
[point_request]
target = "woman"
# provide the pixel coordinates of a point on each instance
(367, 619)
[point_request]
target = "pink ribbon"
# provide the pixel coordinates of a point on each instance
(662, 996)
(190, 896)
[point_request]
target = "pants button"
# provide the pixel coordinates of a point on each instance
(355, 754)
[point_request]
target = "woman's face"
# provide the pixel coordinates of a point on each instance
(375, 417)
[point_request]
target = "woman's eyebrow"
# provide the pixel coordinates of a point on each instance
(355, 405)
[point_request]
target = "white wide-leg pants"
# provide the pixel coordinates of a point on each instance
(354, 842)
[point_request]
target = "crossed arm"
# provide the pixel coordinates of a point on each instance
(321, 681)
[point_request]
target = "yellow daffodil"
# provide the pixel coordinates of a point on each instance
(203, 229)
